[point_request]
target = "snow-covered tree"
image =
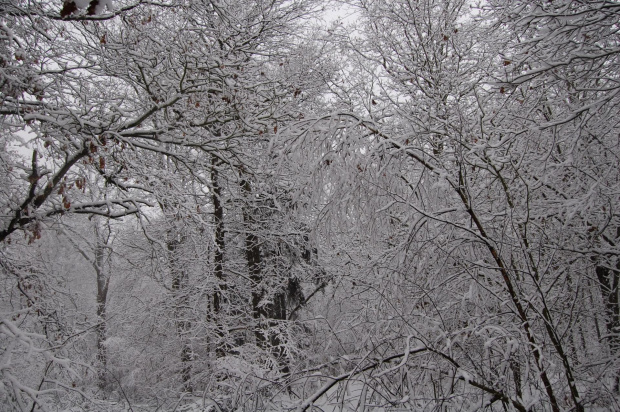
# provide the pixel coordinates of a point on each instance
(414, 208)
(474, 192)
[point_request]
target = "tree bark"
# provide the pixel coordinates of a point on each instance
(267, 316)
(608, 282)
(103, 281)
(218, 258)
(253, 258)
(183, 325)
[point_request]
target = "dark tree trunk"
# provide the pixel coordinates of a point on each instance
(261, 314)
(103, 282)
(608, 283)
(278, 313)
(268, 317)
(253, 257)
(516, 374)
(218, 259)
(608, 280)
(183, 325)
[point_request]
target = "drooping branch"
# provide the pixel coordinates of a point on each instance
(24, 214)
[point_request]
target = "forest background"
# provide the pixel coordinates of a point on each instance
(228, 205)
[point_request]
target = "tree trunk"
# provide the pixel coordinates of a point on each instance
(218, 259)
(183, 325)
(608, 280)
(103, 282)
(268, 316)
(608, 283)
(253, 257)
